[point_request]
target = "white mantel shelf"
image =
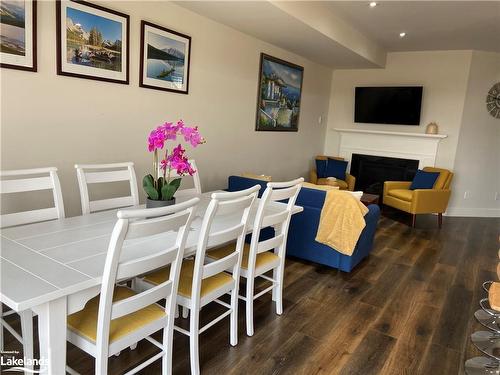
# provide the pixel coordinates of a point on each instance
(380, 132)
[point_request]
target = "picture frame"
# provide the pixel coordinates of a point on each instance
(93, 42)
(164, 59)
(18, 35)
(279, 95)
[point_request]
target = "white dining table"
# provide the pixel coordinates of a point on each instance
(53, 268)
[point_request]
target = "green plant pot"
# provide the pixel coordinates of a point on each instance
(150, 203)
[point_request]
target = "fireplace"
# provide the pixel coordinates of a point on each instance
(371, 171)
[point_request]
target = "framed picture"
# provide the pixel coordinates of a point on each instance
(165, 56)
(92, 42)
(278, 98)
(18, 34)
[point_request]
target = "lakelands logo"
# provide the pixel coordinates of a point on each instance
(10, 362)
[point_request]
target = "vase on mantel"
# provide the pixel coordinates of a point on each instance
(432, 128)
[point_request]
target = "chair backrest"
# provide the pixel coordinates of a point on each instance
(280, 220)
(22, 180)
(104, 173)
(141, 224)
(444, 179)
(233, 209)
(191, 192)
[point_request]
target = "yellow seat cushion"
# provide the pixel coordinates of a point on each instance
(186, 280)
(84, 322)
(318, 187)
(404, 194)
(325, 181)
(262, 258)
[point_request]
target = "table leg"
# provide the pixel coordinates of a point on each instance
(52, 335)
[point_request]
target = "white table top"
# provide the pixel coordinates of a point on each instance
(45, 261)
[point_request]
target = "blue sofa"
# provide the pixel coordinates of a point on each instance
(303, 227)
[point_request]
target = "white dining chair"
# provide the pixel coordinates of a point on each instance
(200, 283)
(106, 173)
(19, 181)
(190, 192)
(261, 256)
(120, 317)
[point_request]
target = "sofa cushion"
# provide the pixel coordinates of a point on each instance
(336, 168)
(404, 194)
(325, 181)
(424, 180)
(321, 168)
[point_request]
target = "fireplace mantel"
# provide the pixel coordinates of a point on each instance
(403, 134)
(415, 146)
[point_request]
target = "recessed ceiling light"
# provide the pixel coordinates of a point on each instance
(402, 35)
(373, 4)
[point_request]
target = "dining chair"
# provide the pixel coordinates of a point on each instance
(120, 316)
(190, 192)
(106, 173)
(200, 283)
(262, 256)
(19, 181)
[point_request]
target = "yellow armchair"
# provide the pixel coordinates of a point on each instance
(397, 194)
(347, 184)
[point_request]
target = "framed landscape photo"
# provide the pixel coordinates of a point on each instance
(165, 56)
(18, 34)
(278, 99)
(92, 42)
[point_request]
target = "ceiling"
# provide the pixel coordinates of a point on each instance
(429, 25)
(335, 33)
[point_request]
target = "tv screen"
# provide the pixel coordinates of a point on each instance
(388, 105)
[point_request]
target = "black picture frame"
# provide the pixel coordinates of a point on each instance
(282, 99)
(34, 66)
(148, 82)
(59, 34)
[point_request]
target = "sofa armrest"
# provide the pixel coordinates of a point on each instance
(313, 176)
(351, 181)
(391, 185)
(430, 201)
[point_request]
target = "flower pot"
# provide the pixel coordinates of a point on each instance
(150, 203)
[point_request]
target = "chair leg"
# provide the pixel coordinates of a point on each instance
(233, 329)
(413, 220)
(249, 306)
(176, 311)
(440, 220)
(27, 333)
(278, 289)
(1, 333)
(193, 341)
(185, 312)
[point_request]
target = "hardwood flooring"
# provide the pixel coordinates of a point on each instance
(407, 309)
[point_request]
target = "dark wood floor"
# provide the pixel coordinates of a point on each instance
(407, 309)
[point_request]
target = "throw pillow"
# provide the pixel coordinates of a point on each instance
(424, 180)
(336, 168)
(321, 168)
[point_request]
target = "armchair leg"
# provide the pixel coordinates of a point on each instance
(413, 220)
(440, 220)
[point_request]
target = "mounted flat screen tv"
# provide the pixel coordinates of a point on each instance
(388, 105)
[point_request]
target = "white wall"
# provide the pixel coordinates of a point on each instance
(443, 74)
(51, 120)
(477, 160)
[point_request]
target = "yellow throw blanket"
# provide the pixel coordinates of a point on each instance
(341, 222)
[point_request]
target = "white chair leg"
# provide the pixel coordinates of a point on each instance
(176, 311)
(118, 354)
(1, 335)
(193, 341)
(185, 312)
(249, 306)
(275, 277)
(27, 333)
(278, 290)
(233, 328)
(133, 346)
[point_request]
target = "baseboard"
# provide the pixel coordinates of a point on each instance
(473, 212)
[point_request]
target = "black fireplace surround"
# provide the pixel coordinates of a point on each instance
(371, 171)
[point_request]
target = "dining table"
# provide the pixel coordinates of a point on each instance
(55, 267)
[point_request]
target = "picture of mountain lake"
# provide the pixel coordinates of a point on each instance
(165, 58)
(279, 96)
(12, 27)
(93, 41)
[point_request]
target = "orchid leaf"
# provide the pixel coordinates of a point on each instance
(149, 187)
(168, 190)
